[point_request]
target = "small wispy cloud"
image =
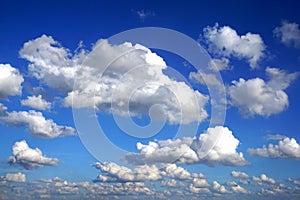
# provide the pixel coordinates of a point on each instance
(275, 137)
(143, 14)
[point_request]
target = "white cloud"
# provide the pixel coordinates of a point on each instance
(219, 64)
(36, 102)
(219, 188)
(51, 63)
(239, 189)
(168, 173)
(237, 174)
(263, 179)
(29, 158)
(221, 139)
(226, 42)
(17, 177)
(286, 148)
(142, 14)
(294, 181)
(288, 33)
(169, 183)
(275, 137)
(173, 171)
(131, 68)
(10, 81)
(37, 124)
(200, 182)
(116, 173)
(201, 190)
(257, 97)
(205, 79)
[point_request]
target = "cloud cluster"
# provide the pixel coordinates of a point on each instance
(226, 42)
(112, 172)
(288, 33)
(263, 179)
(259, 97)
(10, 81)
(113, 76)
(36, 102)
(286, 148)
(194, 188)
(37, 124)
(17, 177)
(192, 150)
(29, 158)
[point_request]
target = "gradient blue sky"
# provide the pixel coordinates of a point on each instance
(72, 22)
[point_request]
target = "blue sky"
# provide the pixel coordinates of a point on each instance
(62, 107)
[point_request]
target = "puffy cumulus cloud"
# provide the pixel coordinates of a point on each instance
(237, 174)
(288, 33)
(125, 69)
(201, 190)
(17, 177)
(37, 124)
(36, 102)
(294, 181)
(258, 97)
(200, 182)
(219, 188)
(286, 148)
(189, 150)
(224, 149)
(170, 174)
(239, 189)
(10, 81)
(169, 183)
(51, 63)
(113, 172)
(263, 179)
(29, 158)
(226, 42)
(173, 171)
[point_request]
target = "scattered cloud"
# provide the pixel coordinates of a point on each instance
(294, 181)
(10, 81)
(286, 148)
(189, 150)
(237, 174)
(217, 64)
(142, 14)
(239, 189)
(37, 124)
(275, 137)
(113, 172)
(258, 97)
(263, 179)
(205, 79)
(36, 102)
(288, 33)
(219, 188)
(17, 177)
(225, 41)
(29, 158)
(135, 70)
